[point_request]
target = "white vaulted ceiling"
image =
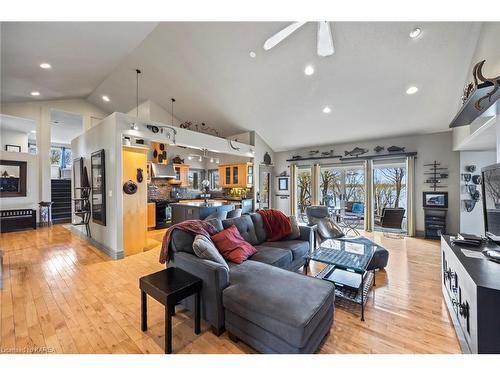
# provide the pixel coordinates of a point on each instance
(82, 55)
(207, 68)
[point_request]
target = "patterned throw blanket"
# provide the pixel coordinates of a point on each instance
(277, 224)
(194, 227)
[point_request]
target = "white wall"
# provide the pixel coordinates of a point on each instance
(32, 198)
(429, 147)
(149, 110)
(11, 137)
(261, 147)
(103, 136)
(39, 111)
(473, 222)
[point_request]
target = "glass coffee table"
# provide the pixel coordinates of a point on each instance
(347, 260)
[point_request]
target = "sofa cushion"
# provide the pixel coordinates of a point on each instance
(232, 246)
(183, 241)
(298, 248)
(216, 222)
(291, 309)
(260, 229)
(204, 248)
(295, 229)
(274, 256)
(245, 227)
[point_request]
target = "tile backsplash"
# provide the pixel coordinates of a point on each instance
(159, 189)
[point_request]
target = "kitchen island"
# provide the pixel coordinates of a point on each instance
(197, 210)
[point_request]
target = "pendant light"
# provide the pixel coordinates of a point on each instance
(134, 126)
(172, 111)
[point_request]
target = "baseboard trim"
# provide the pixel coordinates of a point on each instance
(106, 250)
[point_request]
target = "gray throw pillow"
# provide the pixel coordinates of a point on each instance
(204, 248)
(295, 229)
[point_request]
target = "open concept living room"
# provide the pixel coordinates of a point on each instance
(223, 185)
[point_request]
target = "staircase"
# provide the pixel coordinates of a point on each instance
(61, 196)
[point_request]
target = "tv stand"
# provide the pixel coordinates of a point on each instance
(435, 223)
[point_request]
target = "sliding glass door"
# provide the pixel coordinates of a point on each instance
(304, 192)
(378, 189)
(342, 190)
(390, 196)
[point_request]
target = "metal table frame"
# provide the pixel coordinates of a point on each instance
(367, 276)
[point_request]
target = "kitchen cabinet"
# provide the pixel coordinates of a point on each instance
(151, 215)
(236, 175)
(181, 175)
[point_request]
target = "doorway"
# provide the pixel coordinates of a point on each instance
(390, 197)
(64, 127)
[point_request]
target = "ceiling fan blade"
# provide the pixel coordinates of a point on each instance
(279, 36)
(325, 41)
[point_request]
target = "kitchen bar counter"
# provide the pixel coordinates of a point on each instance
(197, 210)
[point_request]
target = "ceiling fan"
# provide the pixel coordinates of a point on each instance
(325, 41)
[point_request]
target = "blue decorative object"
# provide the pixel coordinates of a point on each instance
(358, 208)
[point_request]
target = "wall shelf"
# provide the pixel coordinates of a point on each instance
(468, 113)
(362, 157)
(317, 158)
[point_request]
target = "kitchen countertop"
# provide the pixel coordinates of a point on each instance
(219, 199)
(202, 204)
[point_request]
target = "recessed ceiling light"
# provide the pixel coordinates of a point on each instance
(105, 98)
(35, 93)
(327, 110)
(33, 131)
(309, 70)
(252, 54)
(45, 66)
(415, 33)
(412, 90)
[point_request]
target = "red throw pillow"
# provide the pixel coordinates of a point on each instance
(232, 246)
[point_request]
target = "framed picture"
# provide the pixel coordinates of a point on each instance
(13, 178)
(98, 177)
(13, 148)
(435, 199)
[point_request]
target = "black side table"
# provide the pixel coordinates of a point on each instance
(169, 287)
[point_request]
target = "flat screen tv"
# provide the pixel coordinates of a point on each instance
(491, 201)
(435, 199)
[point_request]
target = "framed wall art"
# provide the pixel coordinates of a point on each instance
(98, 177)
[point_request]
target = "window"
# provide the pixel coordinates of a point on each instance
(304, 192)
(55, 156)
(213, 177)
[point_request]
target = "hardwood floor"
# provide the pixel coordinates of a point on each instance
(61, 295)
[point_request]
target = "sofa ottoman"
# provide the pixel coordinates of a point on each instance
(277, 311)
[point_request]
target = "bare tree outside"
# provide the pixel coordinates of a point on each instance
(304, 190)
(389, 188)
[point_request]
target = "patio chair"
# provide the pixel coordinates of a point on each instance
(391, 221)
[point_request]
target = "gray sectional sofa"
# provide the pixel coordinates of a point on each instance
(261, 301)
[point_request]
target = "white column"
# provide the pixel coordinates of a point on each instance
(43, 148)
(368, 195)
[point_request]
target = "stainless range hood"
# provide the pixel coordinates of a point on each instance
(162, 170)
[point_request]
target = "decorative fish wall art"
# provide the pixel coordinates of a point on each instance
(357, 151)
(396, 149)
